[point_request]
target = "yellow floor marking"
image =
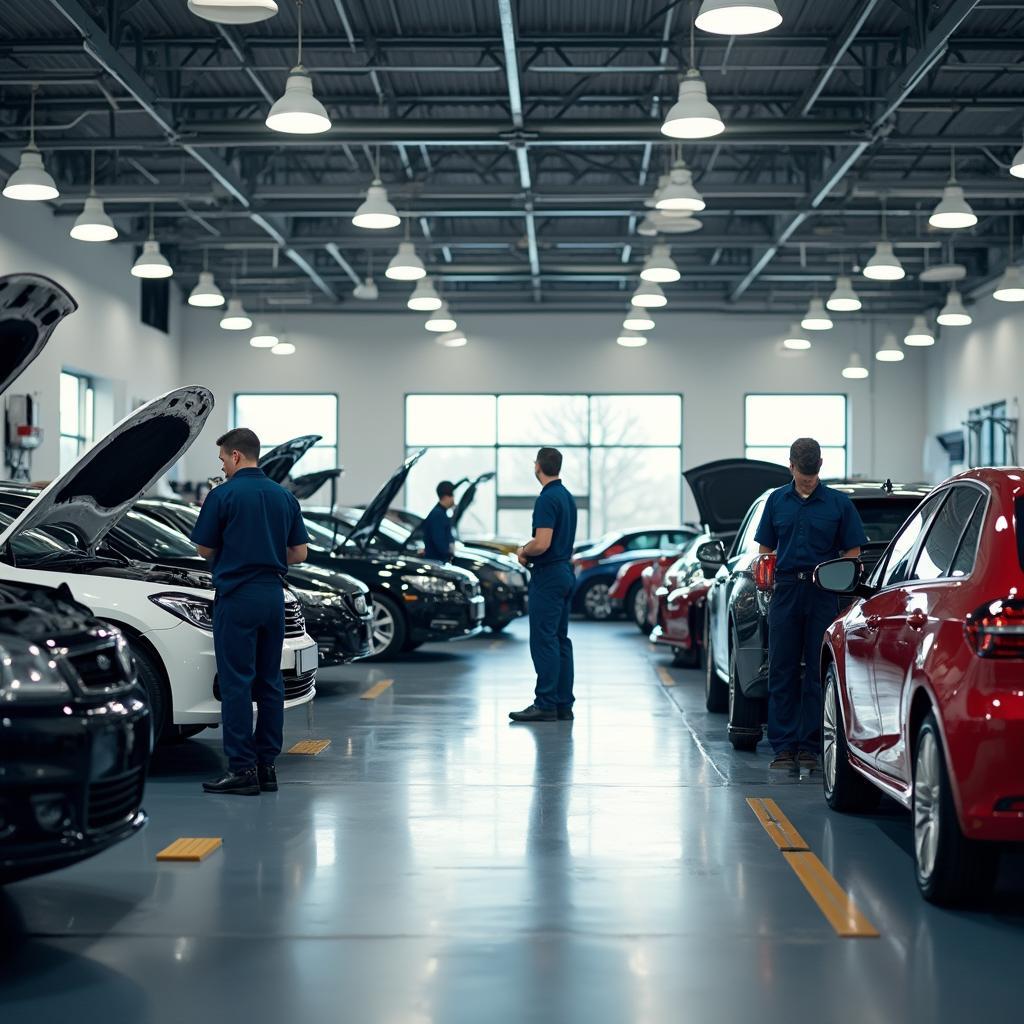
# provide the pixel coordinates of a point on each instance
(777, 825)
(665, 676)
(193, 850)
(377, 689)
(312, 747)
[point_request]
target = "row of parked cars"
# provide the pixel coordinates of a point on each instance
(106, 610)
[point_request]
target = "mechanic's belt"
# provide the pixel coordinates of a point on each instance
(803, 575)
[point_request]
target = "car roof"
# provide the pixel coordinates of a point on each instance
(864, 489)
(992, 475)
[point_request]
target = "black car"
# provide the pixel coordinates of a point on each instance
(736, 624)
(75, 733)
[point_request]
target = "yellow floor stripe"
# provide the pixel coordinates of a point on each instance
(312, 747)
(189, 849)
(665, 676)
(777, 825)
(377, 689)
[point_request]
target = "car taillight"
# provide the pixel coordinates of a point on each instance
(764, 572)
(996, 629)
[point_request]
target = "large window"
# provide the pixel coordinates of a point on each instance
(774, 422)
(77, 417)
(622, 456)
(277, 418)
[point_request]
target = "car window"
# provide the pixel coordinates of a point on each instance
(642, 541)
(936, 553)
(677, 538)
(746, 538)
(897, 566)
(967, 552)
(883, 516)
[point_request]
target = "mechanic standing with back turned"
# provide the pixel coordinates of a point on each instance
(437, 527)
(251, 529)
(804, 523)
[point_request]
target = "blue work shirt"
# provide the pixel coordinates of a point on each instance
(555, 510)
(804, 532)
(252, 522)
(437, 534)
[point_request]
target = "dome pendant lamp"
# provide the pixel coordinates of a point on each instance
(855, 368)
(298, 111)
(376, 212)
(738, 17)
(795, 341)
(890, 352)
(631, 339)
(816, 319)
(844, 299)
(206, 293)
(1011, 284)
(678, 194)
(405, 265)
(441, 321)
(884, 265)
(920, 334)
(453, 339)
(659, 267)
(953, 313)
(264, 336)
(233, 12)
(692, 116)
(953, 212)
(424, 298)
(31, 182)
(93, 224)
(648, 295)
(638, 320)
(151, 264)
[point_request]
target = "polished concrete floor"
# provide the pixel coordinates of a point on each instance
(436, 865)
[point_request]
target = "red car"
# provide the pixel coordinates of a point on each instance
(628, 593)
(653, 579)
(923, 680)
(678, 607)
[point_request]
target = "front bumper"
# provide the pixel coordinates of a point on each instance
(502, 603)
(341, 636)
(71, 784)
(434, 619)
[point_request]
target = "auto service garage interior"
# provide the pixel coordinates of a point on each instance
(415, 242)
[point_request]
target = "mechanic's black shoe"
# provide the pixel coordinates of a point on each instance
(235, 784)
(267, 775)
(565, 714)
(784, 762)
(807, 761)
(534, 714)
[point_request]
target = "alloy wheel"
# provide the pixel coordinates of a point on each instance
(828, 736)
(597, 602)
(927, 796)
(640, 607)
(383, 628)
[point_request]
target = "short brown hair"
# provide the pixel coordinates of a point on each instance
(550, 461)
(805, 454)
(241, 440)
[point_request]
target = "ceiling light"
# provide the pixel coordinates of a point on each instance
(151, 264)
(692, 116)
(920, 334)
(816, 319)
(647, 227)
(884, 265)
(206, 293)
(235, 317)
(1017, 164)
(843, 299)
(264, 336)
(233, 12)
(679, 194)
(31, 182)
(953, 313)
(631, 339)
(440, 321)
(733, 18)
(890, 352)
(452, 339)
(283, 348)
(652, 200)
(366, 290)
(855, 368)
(405, 265)
(648, 295)
(376, 213)
(298, 111)
(1011, 286)
(795, 341)
(638, 321)
(93, 224)
(953, 212)
(675, 222)
(424, 298)
(660, 267)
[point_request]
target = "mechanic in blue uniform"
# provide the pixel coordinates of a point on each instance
(549, 554)
(251, 529)
(803, 523)
(437, 527)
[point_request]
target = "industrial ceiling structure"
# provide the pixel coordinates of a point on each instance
(519, 140)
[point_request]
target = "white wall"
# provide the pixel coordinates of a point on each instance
(373, 361)
(104, 338)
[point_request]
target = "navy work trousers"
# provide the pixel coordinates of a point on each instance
(798, 616)
(551, 588)
(248, 636)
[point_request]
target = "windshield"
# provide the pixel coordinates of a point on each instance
(882, 517)
(31, 544)
(158, 540)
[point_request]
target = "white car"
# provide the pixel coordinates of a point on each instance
(166, 614)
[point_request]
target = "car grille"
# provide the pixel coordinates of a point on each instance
(99, 667)
(114, 799)
(298, 686)
(294, 620)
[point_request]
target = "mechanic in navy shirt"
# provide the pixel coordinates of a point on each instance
(803, 523)
(251, 529)
(437, 527)
(551, 585)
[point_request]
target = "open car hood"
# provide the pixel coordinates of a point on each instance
(306, 486)
(725, 490)
(278, 462)
(31, 306)
(373, 515)
(92, 496)
(467, 497)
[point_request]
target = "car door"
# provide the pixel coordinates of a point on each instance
(908, 628)
(722, 585)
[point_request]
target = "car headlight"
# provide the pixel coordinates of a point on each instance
(29, 676)
(360, 604)
(430, 584)
(124, 657)
(196, 610)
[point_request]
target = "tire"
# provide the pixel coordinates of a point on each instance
(389, 629)
(636, 607)
(685, 658)
(950, 868)
(744, 714)
(716, 693)
(151, 679)
(597, 605)
(846, 790)
(500, 626)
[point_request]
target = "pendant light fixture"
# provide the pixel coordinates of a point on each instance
(648, 295)
(884, 265)
(283, 348)
(405, 265)
(441, 321)
(843, 298)
(855, 368)
(679, 195)
(953, 212)
(631, 339)
(206, 293)
(298, 111)
(235, 317)
(638, 320)
(652, 200)
(647, 227)
(920, 334)
(264, 337)
(452, 339)
(366, 290)
(31, 182)
(1011, 285)
(1017, 163)
(795, 341)
(953, 313)
(93, 224)
(692, 116)
(376, 213)
(816, 319)
(233, 12)
(734, 18)
(424, 298)
(890, 352)
(659, 266)
(151, 263)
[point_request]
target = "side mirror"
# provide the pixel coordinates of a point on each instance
(711, 557)
(839, 576)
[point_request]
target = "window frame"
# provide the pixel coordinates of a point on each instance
(748, 449)
(295, 394)
(86, 405)
(882, 566)
(983, 496)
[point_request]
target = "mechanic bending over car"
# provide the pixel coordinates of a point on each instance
(251, 529)
(438, 543)
(804, 523)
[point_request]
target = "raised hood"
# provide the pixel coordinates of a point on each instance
(114, 473)
(306, 486)
(31, 306)
(369, 522)
(467, 497)
(278, 462)
(725, 490)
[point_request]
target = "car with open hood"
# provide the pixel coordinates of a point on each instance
(164, 613)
